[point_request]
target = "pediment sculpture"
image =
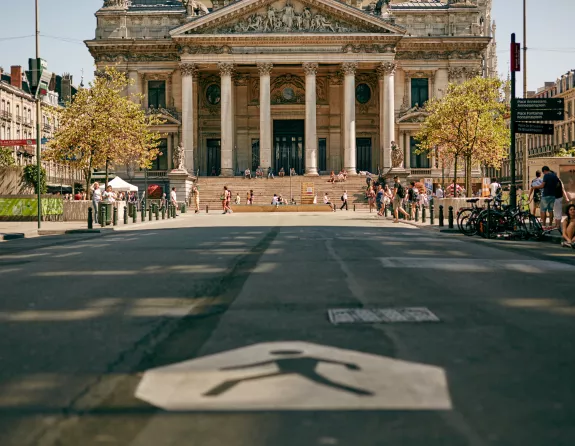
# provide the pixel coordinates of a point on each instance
(290, 18)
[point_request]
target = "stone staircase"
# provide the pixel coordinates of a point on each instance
(211, 189)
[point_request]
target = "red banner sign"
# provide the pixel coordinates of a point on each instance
(17, 142)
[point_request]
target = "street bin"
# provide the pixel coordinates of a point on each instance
(183, 208)
(108, 208)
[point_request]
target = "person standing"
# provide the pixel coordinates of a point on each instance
(174, 199)
(380, 200)
(398, 196)
(248, 198)
(535, 194)
(413, 198)
(371, 198)
(548, 187)
(196, 193)
(238, 199)
(560, 194)
(96, 198)
(439, 192)
(495, 188)
(344, 199)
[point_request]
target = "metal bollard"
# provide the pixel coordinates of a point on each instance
(417, 213)
(207, 209)
(143, 212)
(184, 209)
(90, 217)
(157, 212)
(150, 213)
(135, 214)
(354, 208)
(386, 210)
(423, 215)
(115, 216)
(169, 211)
(103, 216)
(441, 217)
(164, 213)
(488, 219)
(125, 215)
(450, 217)
(431, 217)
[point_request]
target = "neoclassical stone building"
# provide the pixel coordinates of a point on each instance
(317, 85)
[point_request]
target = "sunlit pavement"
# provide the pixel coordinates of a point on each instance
(213, 330)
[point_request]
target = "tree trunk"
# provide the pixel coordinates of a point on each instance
(468, 176)
(455, 175)
(107, 173)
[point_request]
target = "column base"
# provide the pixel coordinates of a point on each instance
(351, 171)
(227, 172)
(311, 173)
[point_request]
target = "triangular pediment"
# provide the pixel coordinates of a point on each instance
(287, 17)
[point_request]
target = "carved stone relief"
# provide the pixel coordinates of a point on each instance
(288, 89)
(461, 74)
(208, 84)
(116, 4)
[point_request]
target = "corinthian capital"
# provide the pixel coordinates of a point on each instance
(349, 68)
(310, 68)
(265, 68)
(386, 69)
(226, 69)
(188, 69)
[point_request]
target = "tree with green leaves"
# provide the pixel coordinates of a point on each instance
(6, 157)
(467, 124)
(103, 127)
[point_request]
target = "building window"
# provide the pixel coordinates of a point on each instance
(322, 158)
(417, 161)
(363, 93)
(214, 94)
(157, 94)
(419, 92)
(161, 162)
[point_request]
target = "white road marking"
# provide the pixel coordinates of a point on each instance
(476, 265)
(295, 376)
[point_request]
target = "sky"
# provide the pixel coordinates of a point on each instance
(65, 24)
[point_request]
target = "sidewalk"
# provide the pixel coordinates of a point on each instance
(11, 230)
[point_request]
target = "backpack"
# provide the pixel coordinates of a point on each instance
(498, 191)
(400, 191)
(415, 194)
(342, 198)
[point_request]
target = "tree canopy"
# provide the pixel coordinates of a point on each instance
(469, 123)
(103, 126)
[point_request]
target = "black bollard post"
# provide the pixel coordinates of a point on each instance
(207, 209)
(103, 215)
(423, 215)
(354, 208)
(90, 217)
(431, 216)
(164, 213)
(115, 216)
(417, 213)
(125, 215)
(143, 212)
(441, 216)
(450, 217)
(134, 214)
(157, 212)
(488, 219)
(150, 213)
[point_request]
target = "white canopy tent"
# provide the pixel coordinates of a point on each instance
(120, 185)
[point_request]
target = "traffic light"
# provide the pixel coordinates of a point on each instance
(38, 77)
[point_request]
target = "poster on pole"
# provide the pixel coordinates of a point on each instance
(428, 182)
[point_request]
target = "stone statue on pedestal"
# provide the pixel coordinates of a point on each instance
(179, 158)
(396, 156)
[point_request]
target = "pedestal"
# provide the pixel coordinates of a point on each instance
(183, 182)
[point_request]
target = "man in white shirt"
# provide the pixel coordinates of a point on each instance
(174, 199)
(344, 200)
(494, 188)
(439, 192)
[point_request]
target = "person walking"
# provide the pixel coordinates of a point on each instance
(238, 199)
(174, 199)
(413, 198)
(398, 197)
(549, 188)
(226, 200)
(371, 198)
(344, 199)
(96, 198)
(196, 193)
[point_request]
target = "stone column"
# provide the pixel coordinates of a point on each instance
(387, 71)
(227, 123)
(349, 148)
(188, 71)
(310, 119)
(265, 116)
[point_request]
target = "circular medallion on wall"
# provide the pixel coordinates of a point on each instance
(363, 93)
(213, 94)
(288, 94)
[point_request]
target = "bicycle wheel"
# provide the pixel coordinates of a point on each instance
(462, 215)
(496, 224)
(468, 226)
(533, 227)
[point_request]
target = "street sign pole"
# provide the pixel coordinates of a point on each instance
(525, 140)
(38, 126)
(515, 66)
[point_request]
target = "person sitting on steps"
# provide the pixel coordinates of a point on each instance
(568, 228)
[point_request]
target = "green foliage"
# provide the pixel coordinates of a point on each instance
(6, 158)
(566, 152)
(31, 177)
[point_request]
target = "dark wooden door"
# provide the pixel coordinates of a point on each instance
(363, 154)
(214, 156)
(289, 150)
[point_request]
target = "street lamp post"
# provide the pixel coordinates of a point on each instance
(525, 148)
(38, 125)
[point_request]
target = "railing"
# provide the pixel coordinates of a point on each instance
(47, 128)
(420, 171)
(5, 114)
(18, 119)
(27, 122)
(164, 111)
(157, 173)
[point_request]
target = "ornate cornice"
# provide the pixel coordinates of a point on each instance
(265, 68)
(310, 68)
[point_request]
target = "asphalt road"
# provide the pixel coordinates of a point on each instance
(91, 326)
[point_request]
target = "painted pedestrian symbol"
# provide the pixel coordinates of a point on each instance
(295, 376)
(291, 362)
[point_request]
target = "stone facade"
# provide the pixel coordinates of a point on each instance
(316, 85)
